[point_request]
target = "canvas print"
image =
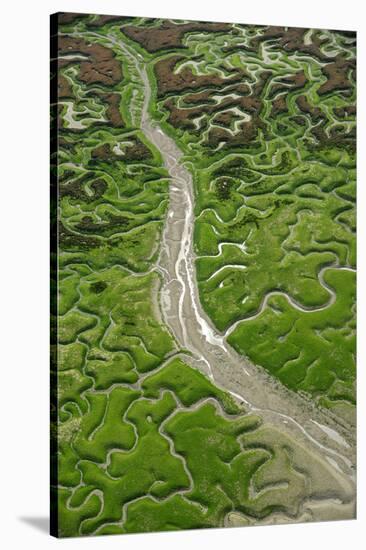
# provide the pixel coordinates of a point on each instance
(203, 261)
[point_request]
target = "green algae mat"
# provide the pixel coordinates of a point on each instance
(203, 274)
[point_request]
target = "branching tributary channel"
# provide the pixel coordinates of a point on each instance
(183, 314)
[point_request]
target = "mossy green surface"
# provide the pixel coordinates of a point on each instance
(188, 385)
(308, 351)
(145, 441)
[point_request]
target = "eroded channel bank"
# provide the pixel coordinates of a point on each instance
(206, 348)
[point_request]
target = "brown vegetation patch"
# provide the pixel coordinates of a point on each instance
(197, 98)
(104, 19)
(291, 82)
(137, 151)
(251, 104)
(292, 39)
(76, 189)
(168, 81)
(66, 18)
(299, 120)
(338, 136)
(258, 87)
(101, 67)
(181, 118)
(344, 112)
(112, 99)
(64, 144)
(279, 106)
(225, 118)
(337, 73)
(248, 133)
(64, 89)
(315, 113)
(168, 34)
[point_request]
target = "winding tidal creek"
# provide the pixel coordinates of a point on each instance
(204, 347)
